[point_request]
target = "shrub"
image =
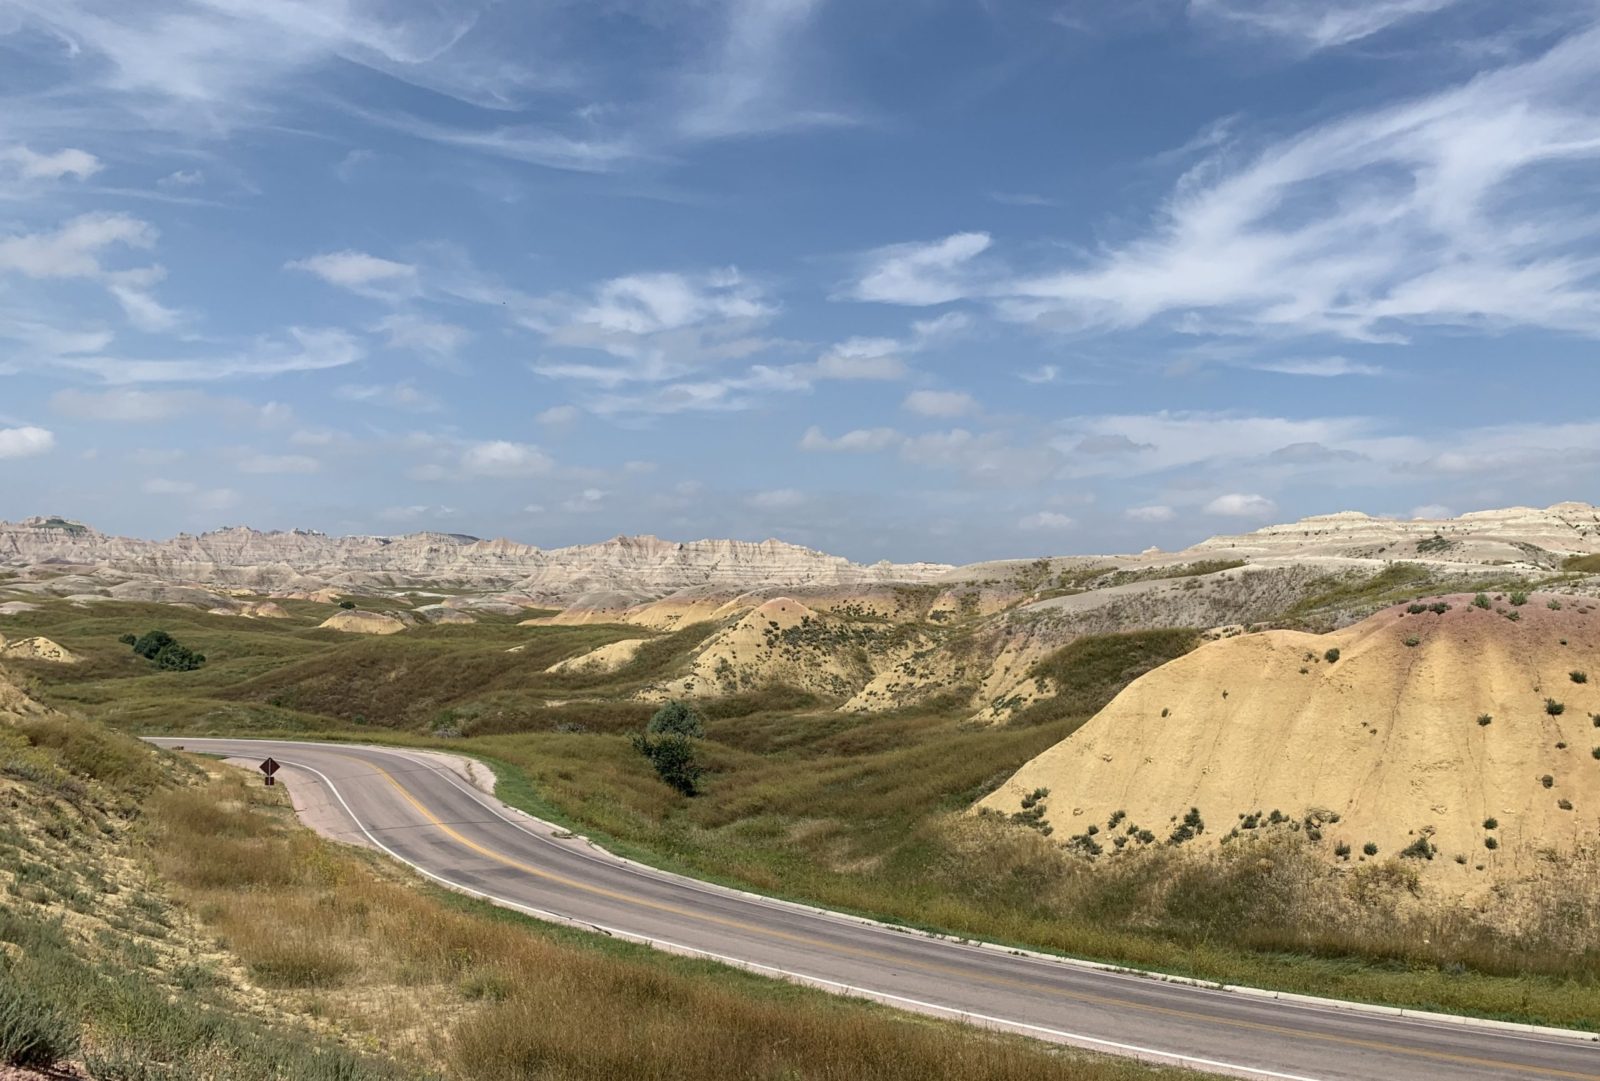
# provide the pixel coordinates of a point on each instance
(678, 719)
(1554, 708)
(1554, 605)
(1439, 608)
(1491, 842)
(1596, 752)
(1491, 823)
(1191, 826)
(1416, 608)
(1342, 850)
(165, 651)
(674, 759)
(1548, 781)
(347, 605)
(1578, 676)
(1332, 656)
(1514, 617)
(1413, 641)
(1519, 599)
(1481, 600)
(1484, 719)
(1564, 804)
(1370, 848)
(1420, 849)
(32, 1033)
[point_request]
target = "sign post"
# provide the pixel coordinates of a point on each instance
(269, 767)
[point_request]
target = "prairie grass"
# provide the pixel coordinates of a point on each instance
(508, 999)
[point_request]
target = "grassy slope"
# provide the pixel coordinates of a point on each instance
(124, 871)
(856, 811)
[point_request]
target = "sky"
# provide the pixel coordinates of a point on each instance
(898, 279)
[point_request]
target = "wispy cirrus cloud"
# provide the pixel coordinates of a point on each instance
(1312, 26)
(1366, 227)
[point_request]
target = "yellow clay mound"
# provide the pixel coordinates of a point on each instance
(1383, 745)
(37, 649)
(357, 622)
(606, 658)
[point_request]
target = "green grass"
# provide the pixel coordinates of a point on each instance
(1589, 564)
(861, 812)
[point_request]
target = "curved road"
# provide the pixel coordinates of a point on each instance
(412, 806)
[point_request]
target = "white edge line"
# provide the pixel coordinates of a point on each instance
(1287, 997)
(978, 1019)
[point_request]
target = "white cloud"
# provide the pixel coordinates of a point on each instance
(394, 395)
(1432, 512)
(1320, 25)
(306, 349)
(182, 178)
(414, 512)
(590, 499)
(1321, 367)
(25, 442)
(1046, 520)
(777, 499)
(279, 463)
(1155, 512)
(1171, 440)
(862, 358)
(74, 250)
(1044, 373)
(748, 82)
(1241, 505)
(419, 335)
(558, 416)
(649, 303)
(500, 458)
(30, 165)
(920, 274)
(939, 403)
(859, 440)
(361, 273)
(1364, 226)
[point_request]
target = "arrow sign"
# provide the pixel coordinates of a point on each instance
(269, 767)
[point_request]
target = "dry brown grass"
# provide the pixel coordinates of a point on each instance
(485, 996)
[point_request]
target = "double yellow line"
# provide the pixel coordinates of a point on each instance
(938, 968)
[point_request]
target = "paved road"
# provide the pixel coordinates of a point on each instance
(424, 814)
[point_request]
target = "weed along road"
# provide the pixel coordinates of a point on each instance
(413, 807)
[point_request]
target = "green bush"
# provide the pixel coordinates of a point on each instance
(32, 1032)
(1491, 823)
(1332, 656)
(347, 605)
(678, 719)
(165, 651)
(674, 759)
(1554, 708)
(1578, 676)
(1481, 601)
(1370, 848)
(1491, 842)
(1519, 599)
(1420, 849)
(1484, 719)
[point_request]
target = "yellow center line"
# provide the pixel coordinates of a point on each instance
(952, 970)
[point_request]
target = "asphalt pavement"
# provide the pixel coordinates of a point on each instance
(411, 806)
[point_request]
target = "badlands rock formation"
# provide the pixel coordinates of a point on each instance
(305, 561)
(36, 649)
(358, 622)
(1410, 726)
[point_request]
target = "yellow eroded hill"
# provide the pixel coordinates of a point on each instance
(1423, 725)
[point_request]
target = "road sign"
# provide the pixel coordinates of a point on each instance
(269, 767)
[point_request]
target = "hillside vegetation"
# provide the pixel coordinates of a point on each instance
(166, 921)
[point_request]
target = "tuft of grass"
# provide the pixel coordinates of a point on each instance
(1554, 708)
(1578, 676)
(33, 1032)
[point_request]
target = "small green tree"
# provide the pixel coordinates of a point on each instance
(347, 604)
(674, 758)
(150, 643)
(678, 719)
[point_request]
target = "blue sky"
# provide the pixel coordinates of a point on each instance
(938, 279)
